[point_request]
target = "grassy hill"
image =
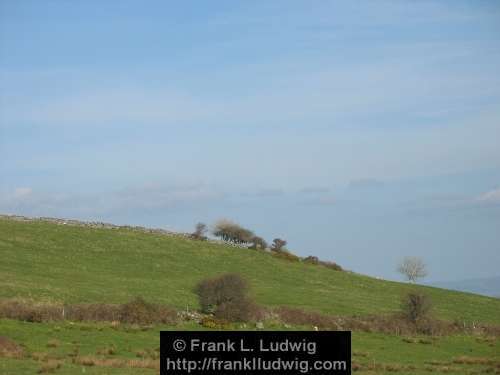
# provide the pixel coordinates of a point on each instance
(45, 261)
(76, 264)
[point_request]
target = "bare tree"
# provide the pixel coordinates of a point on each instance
(415, 306)
(413, 268)
(199, 232)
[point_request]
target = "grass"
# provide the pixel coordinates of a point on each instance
(46, 261)
(374, 353)
(49, 262)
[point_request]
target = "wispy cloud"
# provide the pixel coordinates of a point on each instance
(291, 93)
(270, 192)
(314, 190)
(22, 192)
(138, 200)
(157, 197)
(365, 183)
(319, 200)
(491, 197)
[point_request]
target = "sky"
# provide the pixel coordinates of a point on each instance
(359, 131)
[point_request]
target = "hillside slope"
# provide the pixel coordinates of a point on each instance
(43, 260)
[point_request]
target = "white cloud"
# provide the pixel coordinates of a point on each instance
(492, 196)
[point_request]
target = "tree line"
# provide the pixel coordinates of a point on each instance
(232, 232)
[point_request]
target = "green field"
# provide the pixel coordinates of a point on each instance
(373, 353)
(48, 262)
(102, 265)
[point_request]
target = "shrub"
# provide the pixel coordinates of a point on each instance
(232, 232)
(331, 265)
(213, 323)
(138, 311)
(258, 243)
(166, 315)
(415, 307)
(311, 259)
(285, 254)
(93, 312)
(199, 232)
(315, 260)
(30, 311)
(241, 310)
(226, 297)
(216, 291)
(432, 327)
(388, 324)
(278, 244)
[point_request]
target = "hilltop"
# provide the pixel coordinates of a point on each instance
(45, 259)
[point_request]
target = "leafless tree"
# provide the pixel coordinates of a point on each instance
(415, 306)
(413, 268)
(199, 232)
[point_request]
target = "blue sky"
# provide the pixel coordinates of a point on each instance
(362, 132)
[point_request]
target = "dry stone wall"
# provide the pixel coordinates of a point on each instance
(102, 225)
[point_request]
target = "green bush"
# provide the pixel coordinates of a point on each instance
(226, 297)
(222, 289)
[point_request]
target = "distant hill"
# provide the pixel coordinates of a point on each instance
(489, 286)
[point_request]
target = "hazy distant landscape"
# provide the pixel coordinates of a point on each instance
(488, 286)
